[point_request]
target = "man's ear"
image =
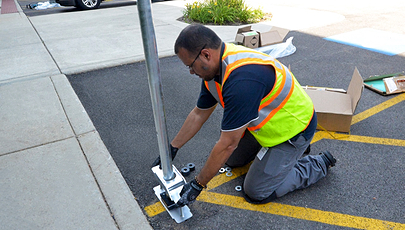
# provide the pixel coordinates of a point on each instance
(206, 54)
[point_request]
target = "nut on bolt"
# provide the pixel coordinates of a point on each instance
(185, 171)
(191, 166)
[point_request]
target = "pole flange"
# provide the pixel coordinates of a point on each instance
(168, 193)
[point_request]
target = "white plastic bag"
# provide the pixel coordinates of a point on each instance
(279, 50)
(46, 5)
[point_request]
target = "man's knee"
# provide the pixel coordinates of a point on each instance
(254, 196)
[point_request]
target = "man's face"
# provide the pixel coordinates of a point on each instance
(200, 65)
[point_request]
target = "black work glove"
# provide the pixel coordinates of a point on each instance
(189, 193)
(173, 152)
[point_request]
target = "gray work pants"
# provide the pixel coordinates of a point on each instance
(280, 170)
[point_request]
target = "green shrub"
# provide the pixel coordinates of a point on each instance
(220, 12)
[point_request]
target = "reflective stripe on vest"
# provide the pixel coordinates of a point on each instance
(215, 90)
(238, 59)
(267, 111)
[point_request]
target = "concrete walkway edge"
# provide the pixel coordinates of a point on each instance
(116, 193)
(123, 206)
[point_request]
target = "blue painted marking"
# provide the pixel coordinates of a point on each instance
(384, 42)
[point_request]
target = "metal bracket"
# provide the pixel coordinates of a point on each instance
(168, 193)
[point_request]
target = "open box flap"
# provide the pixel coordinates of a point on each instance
(273, 36)
(244, 29)
(270, 37)
(355, 88)
(281, 31)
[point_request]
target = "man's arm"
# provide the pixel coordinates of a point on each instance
(222, 150)
(193, 123)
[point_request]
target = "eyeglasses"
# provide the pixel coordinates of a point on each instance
(191, 65)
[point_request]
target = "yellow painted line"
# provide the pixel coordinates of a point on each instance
(309, 214)
(157, 208)
(378, 108)
(154, 209)
(367, 139)
(232, 201)
(319, 136)
(326, 217)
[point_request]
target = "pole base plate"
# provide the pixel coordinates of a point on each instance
(179, 214)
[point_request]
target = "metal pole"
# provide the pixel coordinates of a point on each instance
(155, 86)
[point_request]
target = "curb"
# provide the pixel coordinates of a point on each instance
(118, 197)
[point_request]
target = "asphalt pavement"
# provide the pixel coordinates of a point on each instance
(78, 137)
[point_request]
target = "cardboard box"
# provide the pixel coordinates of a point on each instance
(247, 37)
(253, 39)
(386, 84)
(335, 108)
(273, 36)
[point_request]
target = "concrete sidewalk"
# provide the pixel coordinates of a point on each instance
(56, 173)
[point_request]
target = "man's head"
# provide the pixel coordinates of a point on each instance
(198, 47)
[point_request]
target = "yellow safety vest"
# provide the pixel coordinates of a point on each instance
(284, 112)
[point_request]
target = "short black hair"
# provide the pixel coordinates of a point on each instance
(194, 37)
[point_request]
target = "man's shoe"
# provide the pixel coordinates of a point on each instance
(329, 160)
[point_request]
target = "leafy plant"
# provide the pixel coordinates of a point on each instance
(220, 12)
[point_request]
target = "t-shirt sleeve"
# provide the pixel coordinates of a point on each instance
(242, 94)
(205, 100)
